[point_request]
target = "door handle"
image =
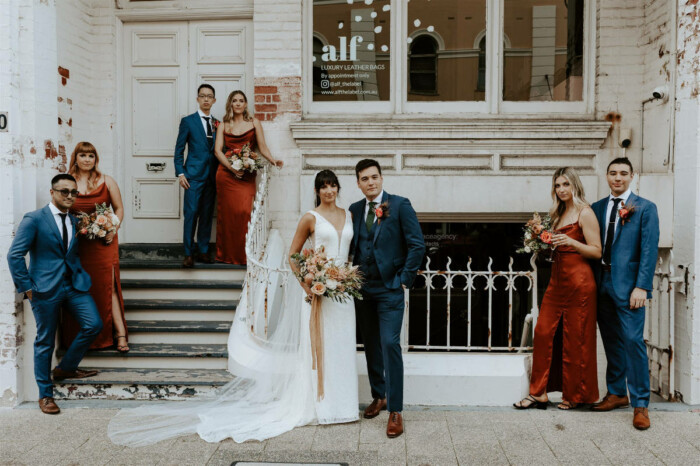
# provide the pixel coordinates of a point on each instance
(155, 166)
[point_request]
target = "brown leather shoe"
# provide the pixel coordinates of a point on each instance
(188, 262)
(641, 419)
(395, 426)
(204, 259)
(374, 408)
(610, 402)
(60, 374)
(48, 406)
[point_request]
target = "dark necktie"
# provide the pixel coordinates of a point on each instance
(209, 134)
(607, 250)
(65, 231)
(369, 221)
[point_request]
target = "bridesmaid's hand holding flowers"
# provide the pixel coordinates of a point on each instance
(563, 240)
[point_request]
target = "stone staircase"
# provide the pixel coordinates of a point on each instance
(179, 321)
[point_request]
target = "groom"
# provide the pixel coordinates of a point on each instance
(54, 279)
(388, 247)
(197, 175)
(630, 234)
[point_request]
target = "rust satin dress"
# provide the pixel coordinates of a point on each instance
(564, 354)
(99, 260)
(235, 203)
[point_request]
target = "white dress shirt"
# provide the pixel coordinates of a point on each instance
(376, 199)
(624, 198)
(55, 211)
(202, 117)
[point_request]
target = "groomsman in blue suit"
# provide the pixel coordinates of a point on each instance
(388, 246)
(630, 235)
(197, 175)
(55, 279)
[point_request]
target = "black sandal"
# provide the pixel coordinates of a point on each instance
(567, 405)
(535, 403)
(122, 348)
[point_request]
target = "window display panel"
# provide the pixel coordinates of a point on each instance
(543, 56)
(351, 50)
(446, 50)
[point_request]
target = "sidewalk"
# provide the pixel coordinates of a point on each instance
(434, 437)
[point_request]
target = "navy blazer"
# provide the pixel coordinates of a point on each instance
(38, 234)
(200, 152)
(398, 240)
(635, 248)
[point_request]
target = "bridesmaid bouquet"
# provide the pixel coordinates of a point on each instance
(537, 234)
(244, 159)
(98, 224)
(325, 278)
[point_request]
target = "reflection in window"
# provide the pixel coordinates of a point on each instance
(545, 61)
(422, 61)
(453, 26)
(355, 63)
(318, 74)
(481, 80)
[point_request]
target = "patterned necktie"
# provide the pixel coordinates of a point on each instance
(209, 133)
(369, 221)
(607, 250)
(65, 231)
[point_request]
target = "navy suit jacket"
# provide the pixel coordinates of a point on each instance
(200, 152)
(398, 240)
(38, 234)
(635, 248)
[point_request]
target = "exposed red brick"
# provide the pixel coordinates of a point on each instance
(64, 81)
(268, 98)
(276, 98)
(266, 89)
(62, 153)
(260, 98)
(32, 150)
(60, 122)
(70, 101)
(64, 72)
(50, 149)
(60, 99)
(70, 122)
(266, 108)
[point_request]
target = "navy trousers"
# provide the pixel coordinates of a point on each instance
(622, 331)
(47, 308)
(379, 317)
(198, 211)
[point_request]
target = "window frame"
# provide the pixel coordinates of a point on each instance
(492, 106)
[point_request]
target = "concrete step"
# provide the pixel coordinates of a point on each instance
(181, 289)
(171, 269)
(178, 331)
(143, 384)
(160, 355)
(180, 305)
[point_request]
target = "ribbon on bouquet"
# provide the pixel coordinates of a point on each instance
(316, 332)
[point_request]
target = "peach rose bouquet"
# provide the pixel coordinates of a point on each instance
(244, 159)
(98, 224)
(537, 234)
(326, 278)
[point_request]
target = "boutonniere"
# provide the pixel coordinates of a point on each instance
(215, 123)
(625, 212)
(381, 211)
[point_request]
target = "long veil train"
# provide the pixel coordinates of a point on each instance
(271, 392)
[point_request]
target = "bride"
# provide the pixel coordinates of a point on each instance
(275, 389)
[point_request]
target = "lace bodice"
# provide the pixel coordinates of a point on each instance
(336, 243)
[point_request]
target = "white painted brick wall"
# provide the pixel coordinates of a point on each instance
(277, 33)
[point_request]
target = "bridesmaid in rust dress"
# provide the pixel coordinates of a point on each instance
(564, 346)
(99, 257)
(235, 189)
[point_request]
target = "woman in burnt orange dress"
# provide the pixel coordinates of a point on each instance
(99, 257)
(564, 346)
(235, 189)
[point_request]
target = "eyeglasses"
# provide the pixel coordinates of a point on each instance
(206, 96)
(68, 192)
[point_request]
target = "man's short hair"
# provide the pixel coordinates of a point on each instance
(62, 176)
(365, 164)
(207, 86)
(621, 160)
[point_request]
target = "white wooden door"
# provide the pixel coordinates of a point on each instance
(164, 63)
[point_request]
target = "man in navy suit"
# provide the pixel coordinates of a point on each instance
(388, 247)
(629, 227)
(55, 279)
(197, 175)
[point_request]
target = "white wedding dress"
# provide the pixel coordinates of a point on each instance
(275, 386)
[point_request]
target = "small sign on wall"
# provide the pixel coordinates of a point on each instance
(3, 122)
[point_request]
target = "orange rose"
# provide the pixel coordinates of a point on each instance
(546, 237)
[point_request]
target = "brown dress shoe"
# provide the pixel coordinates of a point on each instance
(60, 374)
(641, 419)
(204, 259)
(48, 406)
(188, 262)
(610, 402)
(395, 426)
(373, 409)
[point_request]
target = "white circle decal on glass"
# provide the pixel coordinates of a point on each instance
(378, 29)
(409, 40)
(373, 14)
(384, 48)
(416, 23)
(431, 28)
(370, 46)
(368, 2)
(386, 8)
(358, 18)
(340, 25)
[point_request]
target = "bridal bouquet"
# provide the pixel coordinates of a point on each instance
(326, 278)
(244, 159)
(98, 224)
(537, 234)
